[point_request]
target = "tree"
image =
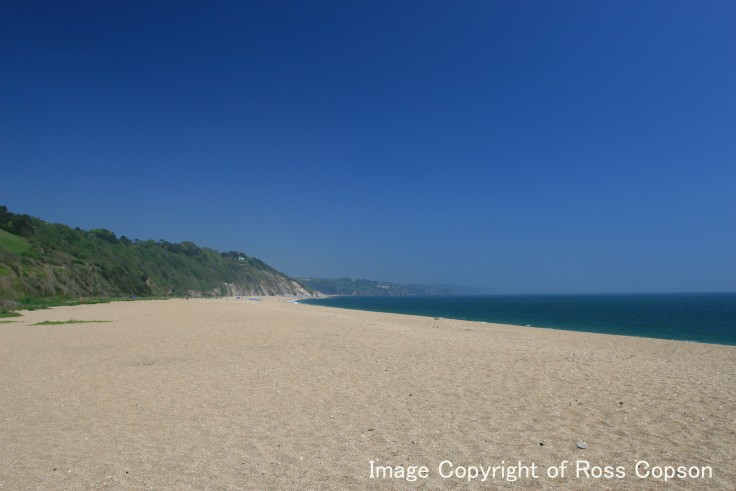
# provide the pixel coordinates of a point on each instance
(104, 234)
(16, 224)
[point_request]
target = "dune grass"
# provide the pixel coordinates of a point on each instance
(72, 321)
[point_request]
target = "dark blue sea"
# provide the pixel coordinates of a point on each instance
(700, 317)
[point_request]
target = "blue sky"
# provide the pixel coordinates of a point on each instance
(531, 147)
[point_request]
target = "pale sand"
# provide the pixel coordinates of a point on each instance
(227, 394)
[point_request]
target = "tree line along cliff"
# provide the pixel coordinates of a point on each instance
(47, 260)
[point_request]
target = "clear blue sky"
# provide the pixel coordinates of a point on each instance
(566, 146)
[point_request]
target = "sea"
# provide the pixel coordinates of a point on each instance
(695, 317)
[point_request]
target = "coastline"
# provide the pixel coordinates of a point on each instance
(184, 394)
(691, 317)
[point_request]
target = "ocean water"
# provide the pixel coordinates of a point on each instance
(699, 317)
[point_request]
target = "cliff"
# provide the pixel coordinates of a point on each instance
(45, 260)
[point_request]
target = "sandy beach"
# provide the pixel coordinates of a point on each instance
(235, 394)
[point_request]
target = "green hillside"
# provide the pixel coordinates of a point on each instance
(13, 243)
(40, 260)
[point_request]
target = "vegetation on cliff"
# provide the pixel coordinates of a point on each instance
(40, 260)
